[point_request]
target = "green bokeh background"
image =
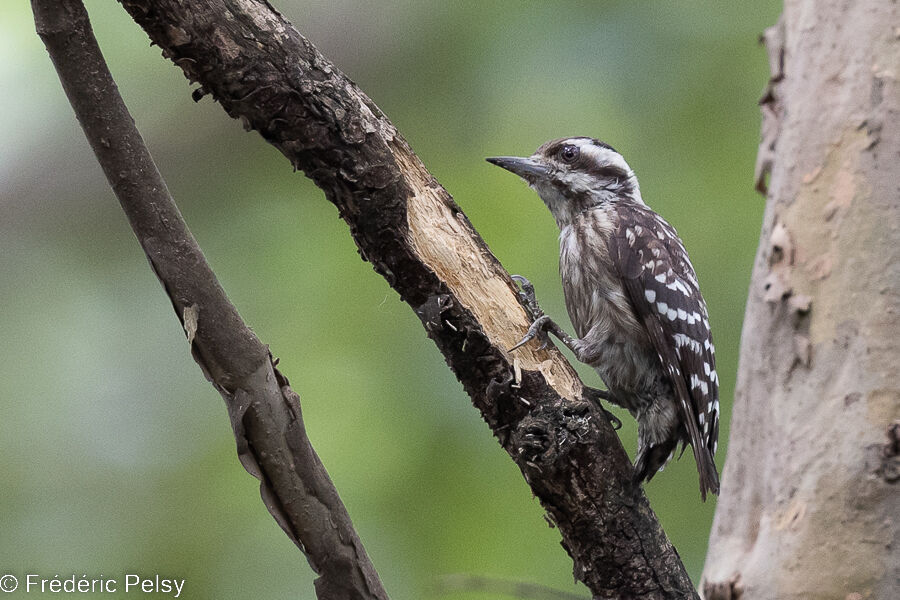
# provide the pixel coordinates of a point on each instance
(117, 455)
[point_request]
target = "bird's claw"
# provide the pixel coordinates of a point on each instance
(528, 297)
(596, 396)
(535, 331)
(539, 319)
(614, 421)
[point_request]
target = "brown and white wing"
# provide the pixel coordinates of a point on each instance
(660, 282)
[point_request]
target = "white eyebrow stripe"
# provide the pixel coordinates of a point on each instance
(604, 156)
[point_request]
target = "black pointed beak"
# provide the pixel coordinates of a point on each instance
(526, 168)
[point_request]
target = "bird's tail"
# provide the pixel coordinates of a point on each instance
(709, 476)
(653, 459)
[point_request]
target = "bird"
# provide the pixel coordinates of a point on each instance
(633, 298)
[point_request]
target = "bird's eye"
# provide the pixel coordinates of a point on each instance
(569, 153)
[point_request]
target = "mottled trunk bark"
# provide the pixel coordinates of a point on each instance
(809, 501)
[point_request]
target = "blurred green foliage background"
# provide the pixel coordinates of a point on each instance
(117, 455)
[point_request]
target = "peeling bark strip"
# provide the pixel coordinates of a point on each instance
(265, 412)
(261, 70)
(809, 500)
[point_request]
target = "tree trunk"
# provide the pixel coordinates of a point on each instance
(809, 497)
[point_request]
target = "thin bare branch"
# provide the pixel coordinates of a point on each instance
(499, 587)
(265, 412)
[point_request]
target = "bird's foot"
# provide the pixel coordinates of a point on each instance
(537, 330)
(528, 297)
(595, 395)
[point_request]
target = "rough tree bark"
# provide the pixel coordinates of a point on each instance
(252, 61)
(809, 502)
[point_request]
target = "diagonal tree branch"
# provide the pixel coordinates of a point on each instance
(251, 60)
(264, 410)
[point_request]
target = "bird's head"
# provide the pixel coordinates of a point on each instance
(574, 174)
